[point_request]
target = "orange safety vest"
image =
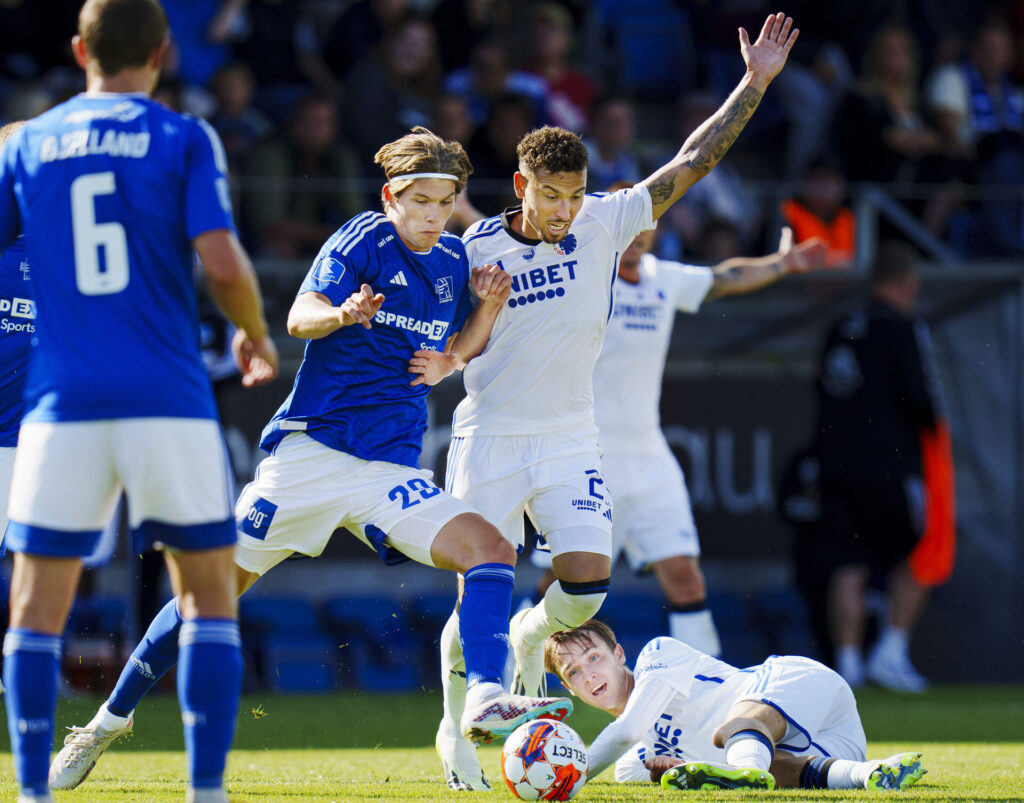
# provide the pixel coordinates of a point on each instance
(839, 234)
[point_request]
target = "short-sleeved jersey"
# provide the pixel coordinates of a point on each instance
(352, 389)
(536, 373)
(705, 689)
(109, 191)
(627, 378)
(17, 327)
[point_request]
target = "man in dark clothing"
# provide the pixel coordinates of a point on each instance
(876, 394)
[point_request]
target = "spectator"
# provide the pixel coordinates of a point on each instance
(876, 395)
(549, 41)
(493, 154)
(976, 104)
(393, 88)
(488, 78)
(720, 195)
(358, 31)
(451, 120)
(818, 209)
(465, 22)
(610, 147)
(291, 218)
(240, 124)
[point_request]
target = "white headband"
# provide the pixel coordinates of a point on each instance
(412, 176)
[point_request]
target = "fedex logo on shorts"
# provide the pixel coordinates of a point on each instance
(257, 519)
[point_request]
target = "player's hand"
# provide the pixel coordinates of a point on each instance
(491, 284)
(807, 256)
(767, 56)
(256, 359)
(360, 307)
(431, 366)
(660, 764)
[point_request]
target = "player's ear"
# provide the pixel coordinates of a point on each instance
(157, 58)
(78, 50)
(386, 195)
(519, 183)
(620, 654)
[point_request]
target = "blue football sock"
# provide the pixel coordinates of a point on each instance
(483, 625)
(155, 654)
(209, 682)
(31, 664)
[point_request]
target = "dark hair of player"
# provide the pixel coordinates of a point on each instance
(423, 151)
(893, 262)
(9, 130)
(587, 635)
(121, 34)
(553, 149)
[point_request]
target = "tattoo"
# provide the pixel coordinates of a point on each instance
(710, 142)
(662, 188)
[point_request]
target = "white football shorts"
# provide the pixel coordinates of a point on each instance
(304, 491)
(816, 702)
(6, 472)
(555, 478)
(68, 477)
(653, 520)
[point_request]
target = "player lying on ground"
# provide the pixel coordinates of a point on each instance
(524, 438)
(695, 722)
(653, 524)
(345, 445)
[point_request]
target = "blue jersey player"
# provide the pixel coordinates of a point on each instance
(17, 326)
(388, 295)
(112, 193)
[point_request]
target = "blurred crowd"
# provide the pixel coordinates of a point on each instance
(919, 97)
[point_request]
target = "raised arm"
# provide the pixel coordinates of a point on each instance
(704, 148)
(741, 275)
(233, 286)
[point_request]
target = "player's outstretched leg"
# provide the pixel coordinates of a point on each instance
(896, 772)
(565, 605)
(705, 775)
(491, 712)
(150, 661)
(462, 770)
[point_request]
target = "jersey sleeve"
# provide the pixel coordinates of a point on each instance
(207, 197)
(689, 284)
(10, 217)
(646, 703)
(630, 768)
(332, 277)
(625, 214)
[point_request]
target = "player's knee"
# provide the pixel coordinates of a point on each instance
(491, 547)
(734, 725)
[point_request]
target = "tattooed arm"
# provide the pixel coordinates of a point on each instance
(708, 144)
(746, 274)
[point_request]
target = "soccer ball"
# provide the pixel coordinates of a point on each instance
(544, 760)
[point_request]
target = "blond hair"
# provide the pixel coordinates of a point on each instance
(423, 151)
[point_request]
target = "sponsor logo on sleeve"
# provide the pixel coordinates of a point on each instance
(257, 519)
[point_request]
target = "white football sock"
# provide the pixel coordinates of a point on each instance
(845, 774)
(557, 611)
(742, 750)
(482, 692)
(107, 722)
(697, 629)
(453, 671)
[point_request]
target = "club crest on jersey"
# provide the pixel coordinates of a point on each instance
(443, 288)
(566, 246)
(330, 270)
(530, 254)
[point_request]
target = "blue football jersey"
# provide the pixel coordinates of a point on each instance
(17, 327)
(352, 390)
(109, 191)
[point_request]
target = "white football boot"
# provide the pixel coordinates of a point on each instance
(896, 772)
(496, 717)
(462, 770)
(83, 748)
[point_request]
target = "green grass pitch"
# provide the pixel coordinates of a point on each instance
(352, 746)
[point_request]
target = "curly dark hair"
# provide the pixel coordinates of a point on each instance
(553, 149)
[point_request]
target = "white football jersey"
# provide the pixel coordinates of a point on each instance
(627, 378)
(536, 373)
